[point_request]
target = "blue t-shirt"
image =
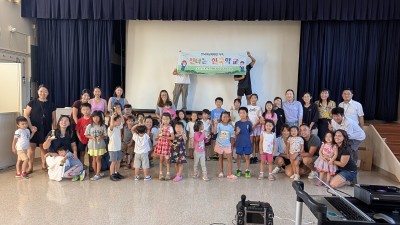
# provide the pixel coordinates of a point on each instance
(216, 113)
(243, 138)
(224, 134)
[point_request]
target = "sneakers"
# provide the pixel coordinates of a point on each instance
(17, 175)
(277, 170)
(205, 178)
(119, 175)
(82, 175)
(95, 177)
(271, 177)
(221, 175)
(312, 174)
(247, 174)
(147, 178)
(114, 177)
(24, 175)
(238, 173)
(195, 176)
(161, 177)
(232, 177)
(137, 178)
(168, 177)
(261, 176)
(296, 177)
(101, 174)
(177, 178)
(75, 178)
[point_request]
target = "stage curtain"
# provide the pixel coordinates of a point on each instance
(305, 10)
(363, 56)
(73, 55)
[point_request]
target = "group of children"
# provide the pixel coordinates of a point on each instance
(244, 130)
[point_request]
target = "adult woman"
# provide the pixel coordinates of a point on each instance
(293, 109)
(281, 157)
(347, 169)
(281, 115)
(163, 97)
(325, 106)
(310, 113)
(98, 103)
(76, 107)
(41, 116)
(117, 97)
(62, 137)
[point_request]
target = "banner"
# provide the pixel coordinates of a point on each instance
(212, 63)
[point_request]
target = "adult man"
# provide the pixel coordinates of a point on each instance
(244, 84)
(355, 132)
(181, 87)
(311, 149)
(352, 109)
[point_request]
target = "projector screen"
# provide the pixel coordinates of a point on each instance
(153, 48)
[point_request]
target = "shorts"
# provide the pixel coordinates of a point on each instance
(243, 150)
(127, 150)
(190, 143)
(348, 175)
(222, 149)
(285, 160)
(141, 160)
(244, 91)
(22, 156)
(115, 156)
(267, 157)
(256, 131)
(80, 146)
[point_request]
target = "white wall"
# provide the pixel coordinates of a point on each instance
(152, 51)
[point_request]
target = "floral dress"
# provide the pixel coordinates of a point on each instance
(324, 166)
(163, 146)
(178, 152)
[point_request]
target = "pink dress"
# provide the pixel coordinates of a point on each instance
(324, 166)
(163, 146)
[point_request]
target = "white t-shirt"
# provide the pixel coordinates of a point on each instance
(295, 144)
(254, 113)
(142, 144)
(182, 79)
(23, 139)
(206, 125)
(115, 138)
(190, 128)
(268, 142)
(352, 110)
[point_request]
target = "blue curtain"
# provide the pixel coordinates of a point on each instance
(363, 56)
(305, 10)
(73, 55)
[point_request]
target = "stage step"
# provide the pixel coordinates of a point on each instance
(390, 132)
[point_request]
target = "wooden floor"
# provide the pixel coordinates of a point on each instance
(391, 133)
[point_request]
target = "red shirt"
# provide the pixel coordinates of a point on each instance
(81, 127)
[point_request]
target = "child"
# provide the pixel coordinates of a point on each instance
(114, 146)
(205, 119)
(235, 111)
(178, 153)
(142, 148)
(163, 147)
(295, 146)
(20, 146)
(268, 147)
(127, 111)
(95, 132)
(189, 129)
(243, 129)
(73, 168)
(200, 136)
(255, 112)
(127, 142)
(270, 113)
(327, 155)
(223, 143)
(181, 117)
(215, 118)
(80, 129)
(140, 119)
(168, 109)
